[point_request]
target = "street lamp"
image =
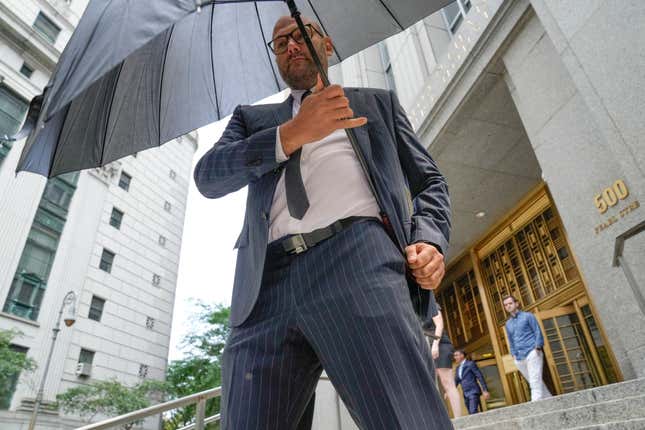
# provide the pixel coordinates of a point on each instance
(69, 307)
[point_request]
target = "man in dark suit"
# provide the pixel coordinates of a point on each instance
(472, 381)
(320, 281)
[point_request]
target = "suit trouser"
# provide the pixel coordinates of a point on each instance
(343, 306)
(531, 369)
(472, 403)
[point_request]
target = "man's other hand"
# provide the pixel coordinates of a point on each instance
(486, 395)
(323, 112)
(426, 264)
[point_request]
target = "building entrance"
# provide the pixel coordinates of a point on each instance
(526, 255)
(530, 258)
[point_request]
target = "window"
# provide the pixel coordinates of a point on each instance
(172, 174)
(58, 193)
(30, 280)
(143, 371)
(454, 14)
(150, 323)
(12, 112)
(124, 181)
(156, 279)
(107, 259)
(422, 57)
(167, 206)
(26, 70)
(86, 356)
(46, 27)
(387, 67)
(84, 366)
(115, 218)
(7, 392)
(162, 240)
(96, 308)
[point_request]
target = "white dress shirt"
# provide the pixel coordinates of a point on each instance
(335, 183)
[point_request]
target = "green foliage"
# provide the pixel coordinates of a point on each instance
(200, 369)
(109, 398)
(11, 362)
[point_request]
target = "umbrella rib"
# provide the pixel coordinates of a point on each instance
(74, 63)
(392, 15)
(163, 71)
(210, 41)
(266, 47)
(109, 111)
(324, 29)
(208, 2)
(60, 133)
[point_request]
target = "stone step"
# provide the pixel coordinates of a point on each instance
(585, 416)
(636, 424)
(621, 390)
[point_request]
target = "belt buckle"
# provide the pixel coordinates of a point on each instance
(295, 244)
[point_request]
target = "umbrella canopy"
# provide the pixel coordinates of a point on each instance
(138, 74)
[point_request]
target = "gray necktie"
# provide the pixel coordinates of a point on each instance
(297, 201)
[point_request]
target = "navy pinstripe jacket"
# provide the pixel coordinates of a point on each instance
(413, 193)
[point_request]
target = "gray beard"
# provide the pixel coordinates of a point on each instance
(307, 79)
(302, 81)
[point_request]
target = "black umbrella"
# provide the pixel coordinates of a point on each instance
(135, 75)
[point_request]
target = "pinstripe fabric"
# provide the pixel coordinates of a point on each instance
(342, 306)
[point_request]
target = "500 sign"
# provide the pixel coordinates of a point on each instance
(610, 196)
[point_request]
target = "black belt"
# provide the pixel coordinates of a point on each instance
(299, 243)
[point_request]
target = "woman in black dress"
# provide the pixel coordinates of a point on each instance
(442, 351)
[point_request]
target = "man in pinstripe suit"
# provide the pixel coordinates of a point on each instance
(319, 282)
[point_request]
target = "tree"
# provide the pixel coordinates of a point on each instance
(109, 398)
(200, 369)
(12, 362)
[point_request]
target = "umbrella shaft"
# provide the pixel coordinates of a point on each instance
(295, 14)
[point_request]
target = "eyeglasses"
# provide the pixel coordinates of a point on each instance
(279, 44)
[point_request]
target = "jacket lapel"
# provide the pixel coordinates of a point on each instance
(284, 112)
(357, 104)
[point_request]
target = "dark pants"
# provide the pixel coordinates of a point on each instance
(307, 419)
(343, 306)
(472, 404)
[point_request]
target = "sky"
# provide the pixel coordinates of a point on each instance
(207, 259)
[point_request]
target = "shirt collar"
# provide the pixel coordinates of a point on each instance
(297, 94)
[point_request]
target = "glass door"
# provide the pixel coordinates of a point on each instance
(569, 351)
(494, 382)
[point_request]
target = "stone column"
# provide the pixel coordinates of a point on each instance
(602, 45)
(578, 161)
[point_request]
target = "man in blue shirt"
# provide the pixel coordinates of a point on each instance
(526, 342)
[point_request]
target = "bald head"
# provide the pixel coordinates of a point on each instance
(287, 21)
